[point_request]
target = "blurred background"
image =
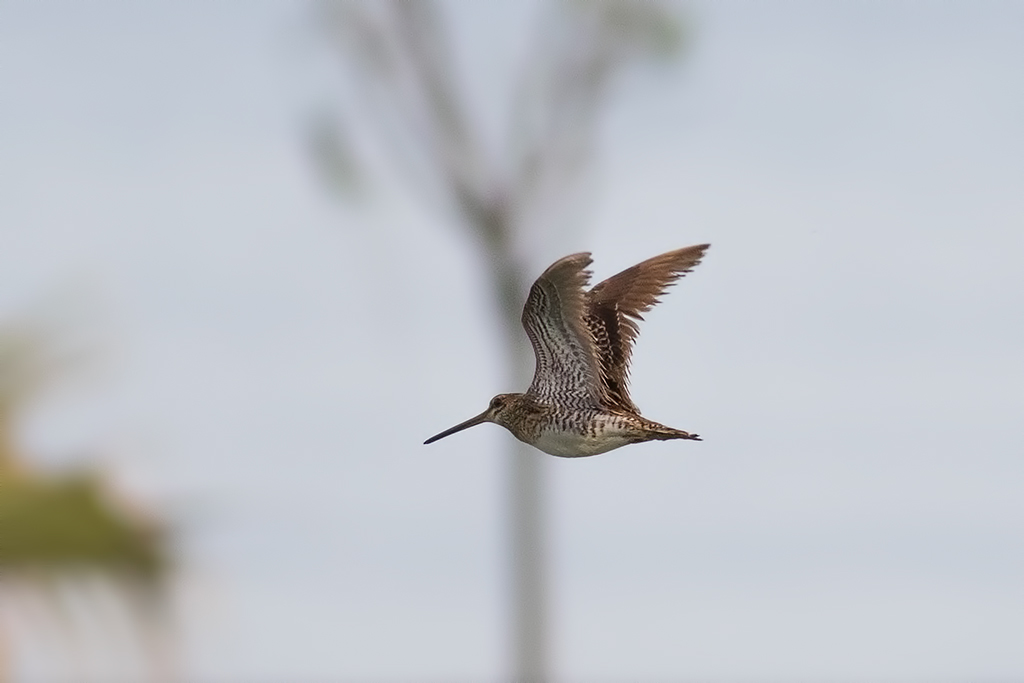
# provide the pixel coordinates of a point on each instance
(252, 254)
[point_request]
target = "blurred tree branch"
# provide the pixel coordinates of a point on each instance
(404, 74)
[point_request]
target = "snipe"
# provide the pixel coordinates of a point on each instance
(578, 403)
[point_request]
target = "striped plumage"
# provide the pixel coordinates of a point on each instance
(578, 403)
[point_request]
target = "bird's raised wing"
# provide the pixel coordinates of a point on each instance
(568, 369)
(615, 306)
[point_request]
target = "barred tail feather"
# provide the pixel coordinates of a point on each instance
(659, 432)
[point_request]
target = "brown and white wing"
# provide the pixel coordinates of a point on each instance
(615, 306)
(568, 370)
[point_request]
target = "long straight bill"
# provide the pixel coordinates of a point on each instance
(471, 422)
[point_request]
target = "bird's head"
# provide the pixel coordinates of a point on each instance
(497, 412)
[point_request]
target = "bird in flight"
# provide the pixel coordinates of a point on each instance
(578, 403)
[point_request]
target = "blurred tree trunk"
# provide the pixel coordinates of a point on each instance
(526, 498)
(404, 83)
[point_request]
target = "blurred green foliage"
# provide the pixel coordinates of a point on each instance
(69, 523)
(60, 526)
(58, 522)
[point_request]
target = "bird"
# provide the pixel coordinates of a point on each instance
(578, 403)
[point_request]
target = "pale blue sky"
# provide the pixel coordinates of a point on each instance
(851, 349)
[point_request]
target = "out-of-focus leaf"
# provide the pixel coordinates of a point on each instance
(649, 26)
(335, 157)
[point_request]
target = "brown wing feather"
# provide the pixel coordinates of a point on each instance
(568, 370)
(616, 305)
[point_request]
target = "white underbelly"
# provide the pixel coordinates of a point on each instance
(573, 445)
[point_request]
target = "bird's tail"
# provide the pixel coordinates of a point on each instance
(659, 432)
